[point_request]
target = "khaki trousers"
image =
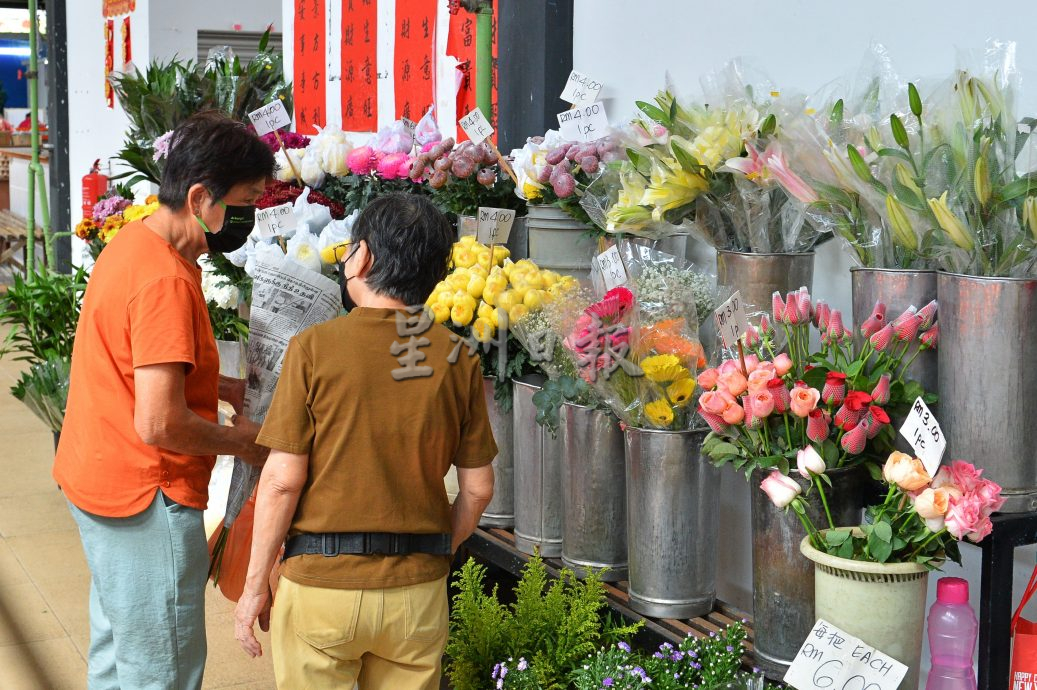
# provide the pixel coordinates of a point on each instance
(381, 639)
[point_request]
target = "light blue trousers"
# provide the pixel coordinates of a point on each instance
(147, 597)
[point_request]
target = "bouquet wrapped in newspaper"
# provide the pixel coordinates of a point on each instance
(287, 297)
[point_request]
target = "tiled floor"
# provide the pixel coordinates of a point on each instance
(44, 580)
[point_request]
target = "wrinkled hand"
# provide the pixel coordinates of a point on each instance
(247, 431)
(251, 606)
(233, 391)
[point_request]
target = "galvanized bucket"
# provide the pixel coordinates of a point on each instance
(558, 242)
(594, 509)
(672, 523)
(538, 475)
(758, 276)
(783, 581)
(988, 379)
(501, 511)
(898, 289)
(518, 240)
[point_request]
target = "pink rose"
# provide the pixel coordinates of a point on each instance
(990, 494)
(734, 414)
(965, 475)
(729, 365)
(713, 402)
(804, 400)
(965, 519)
(809, 462)
(734, 382)
(751, 362)
(768, 367)
(782, 396)
(780, 489)
(880, 395)
(708, 379)
(932, 503)
(759, 379)
(762, 403)
(782, 364)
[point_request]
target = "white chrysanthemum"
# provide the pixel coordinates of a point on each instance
(303, 250)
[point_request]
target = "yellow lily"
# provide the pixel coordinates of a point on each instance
(903, 233)
(950, 223)
(904, 177)
(671, 187)
(981, 180)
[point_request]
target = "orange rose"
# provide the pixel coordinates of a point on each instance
(932, 503)
(906, 472)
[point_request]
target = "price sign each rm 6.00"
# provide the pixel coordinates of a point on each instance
(731, 320)
(831, 659)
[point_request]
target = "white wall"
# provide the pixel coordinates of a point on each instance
(802, 45)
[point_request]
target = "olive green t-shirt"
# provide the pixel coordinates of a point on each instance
(381, 426)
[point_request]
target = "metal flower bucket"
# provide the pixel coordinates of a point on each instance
(672, 505)
(594, 510)
(988, 380)
(758, 276)
(501, 511)
(558, 242)
(538, 476)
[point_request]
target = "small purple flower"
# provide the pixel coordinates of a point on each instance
(607, 683)
(522, 664)
(677, 655)
(161, 145)
(109, 206)
(624, 646)
(730, 648)
(496, 670)
(658, 655)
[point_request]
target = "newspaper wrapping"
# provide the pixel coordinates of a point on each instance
(286, 299)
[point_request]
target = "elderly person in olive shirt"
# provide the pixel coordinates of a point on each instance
(370, 412)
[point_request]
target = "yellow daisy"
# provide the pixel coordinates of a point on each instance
(659, 413)
(664, 368)
(680, 392)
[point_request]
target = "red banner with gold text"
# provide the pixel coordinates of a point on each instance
(308, 82)
(359, 65)
(461, 45)
(413, 58)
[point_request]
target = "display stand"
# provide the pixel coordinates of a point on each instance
(995, 610)
(497, 547)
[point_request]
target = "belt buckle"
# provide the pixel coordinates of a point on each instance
(329, 547)
(380, 544)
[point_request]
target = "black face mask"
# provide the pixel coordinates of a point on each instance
(238, 222)
(347, 302)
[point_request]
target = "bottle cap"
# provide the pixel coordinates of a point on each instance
(952, 590)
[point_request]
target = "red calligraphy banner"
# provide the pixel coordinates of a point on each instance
(109, 62)
(461, 45)
(413, 65)
(308, 85)
(359, 65)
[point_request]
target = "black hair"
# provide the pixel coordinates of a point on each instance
(410, 242)
(211, 149)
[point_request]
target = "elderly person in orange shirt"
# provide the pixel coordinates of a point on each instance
(141, 434)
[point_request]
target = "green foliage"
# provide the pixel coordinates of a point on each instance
(43, 312)
(555, 393)
(44, 389)
(355, 192)
(554, 624)
(226, 323)
(464, 196)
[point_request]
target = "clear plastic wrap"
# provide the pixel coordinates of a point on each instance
(315, 216)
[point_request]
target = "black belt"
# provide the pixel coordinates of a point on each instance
(366, 543)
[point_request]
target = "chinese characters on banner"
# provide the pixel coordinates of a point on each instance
(308, 83)
(109, 61)
(127, 44)
(461, 45)
(413, 65)
(359, 65)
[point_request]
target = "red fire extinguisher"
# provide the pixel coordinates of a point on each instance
(95, 185)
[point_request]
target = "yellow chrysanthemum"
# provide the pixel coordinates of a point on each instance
(659, 413)
(680, 392)
(664, 368)
(137, 212)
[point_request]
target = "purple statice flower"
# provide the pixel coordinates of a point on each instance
(677, 655)
(109, 206)
(624, 646)
(658, 655)
(496, 670)
(162, 145)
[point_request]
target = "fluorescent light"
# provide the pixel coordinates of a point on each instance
(19, 51)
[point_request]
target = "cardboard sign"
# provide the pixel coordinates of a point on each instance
(924, 434)
(731, 320)
(586, 123)
(580, 89)
(612, 269)
(494, 225)
(476, 126)
(831, 659)
(270, 117)
(275, 220)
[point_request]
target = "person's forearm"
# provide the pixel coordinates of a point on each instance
(464, 518)
(275, 507)
(190, 434)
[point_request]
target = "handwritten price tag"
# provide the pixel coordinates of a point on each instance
(580, 89)
(586, 123)
(409, 126)
(495, 225)
(831, 659)
(731, 320)
(613, 271)
(924, 434)
(275, 220)
(476, 126)
(270, 117)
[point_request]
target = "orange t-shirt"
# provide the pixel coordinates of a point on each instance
(143, 305)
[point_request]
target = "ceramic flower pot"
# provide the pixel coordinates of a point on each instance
(881, 603)
(672, 523)
(783, 586)
(594, 527)
(987, 379)
(559, 243)
(537, 456)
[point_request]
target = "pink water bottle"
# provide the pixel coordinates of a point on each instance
(952, 637)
